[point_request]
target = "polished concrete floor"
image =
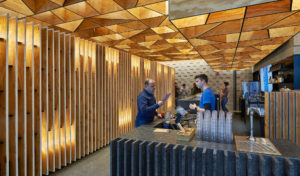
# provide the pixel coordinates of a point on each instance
(98, 163)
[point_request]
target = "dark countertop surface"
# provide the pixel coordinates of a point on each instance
(145, 132)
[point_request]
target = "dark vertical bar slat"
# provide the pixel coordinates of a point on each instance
(229, 163)
(158, 159)
(265, 165)
(142, 158)
(218, 163)
(120, 157)
(189, 154)
(150, 158)
(208, 162)
(135, 158)
(175, 160)
(203, 164)
(277, 166)
(198, 161)
(292, 167)
(252, 164)
(183, 161)
(127, 157)
(166, 154)
(241, 164)
(113, 157)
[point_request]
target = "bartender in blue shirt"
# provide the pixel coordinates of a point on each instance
(147, 104)
(207, 100)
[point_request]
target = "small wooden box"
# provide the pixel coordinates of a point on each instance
(187, 135)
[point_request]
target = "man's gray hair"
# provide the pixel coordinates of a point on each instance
(148, 80)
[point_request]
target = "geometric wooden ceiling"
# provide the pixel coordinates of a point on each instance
(226, 40)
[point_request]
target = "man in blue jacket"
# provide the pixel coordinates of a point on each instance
(147, 104)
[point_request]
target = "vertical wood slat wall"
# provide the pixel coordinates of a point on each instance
(282, 115)
(63, 97)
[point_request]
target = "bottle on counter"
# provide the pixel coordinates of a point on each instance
(221, 127)
(214, 126)
(200, 124)
(206, 126)
(228, 128)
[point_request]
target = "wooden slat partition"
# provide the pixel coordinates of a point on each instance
(282, 115)
(63, 97)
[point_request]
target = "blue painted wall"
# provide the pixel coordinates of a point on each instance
(297, 72)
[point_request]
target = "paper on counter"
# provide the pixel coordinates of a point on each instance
(160, 130)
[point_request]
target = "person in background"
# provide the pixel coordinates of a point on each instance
(177, 90)
(207, 100)
(195, 90)
(147, 105)
(224, 95)
(184, 90)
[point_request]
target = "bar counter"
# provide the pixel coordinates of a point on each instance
(144, 152)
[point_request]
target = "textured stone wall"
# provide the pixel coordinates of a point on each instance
(185, 71)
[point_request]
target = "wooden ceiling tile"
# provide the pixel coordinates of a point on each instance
(137, 25)
(120, 15)
(152, 38)
(254, 35)
(268, 8)
(169, 35)
(147, 44)
(249, 43)
(146, 2)
(83, 9)
(246, 49)
(102, 31)
(48, 17)
(226, 15)
(161, 42)
(38, 6)
(162, 30)
(84, 33)
(69, 2)
(17, 6)
(126, 4)
(228, 27)
(107, 22)
(161, 7)
(144, 13)
(205, 48)
(10, 12)
(118, 28)
(262, 22)
(114, 36)
(190, 21)
(197, 42)
(208, 52)
(36, 21)
(87, 24)
(273, 41)
(154, 22)
(292, 20)
(105, 6)
(125, 42)
(176, 40)
(284, 31)
(131, 33)
(70, 26)
(101, 38)
(232, 37)
(122, 46)
(226, 45)
(59, 2)
(195, 31)
(166, 22)
(296, 5)
(66, 15)
(267, 47)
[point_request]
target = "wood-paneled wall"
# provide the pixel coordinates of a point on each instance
(282, 115)
(63, 97)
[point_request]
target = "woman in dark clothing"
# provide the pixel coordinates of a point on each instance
(224, 96)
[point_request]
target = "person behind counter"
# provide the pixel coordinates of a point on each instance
(224, 96)
(207, 100)
(147, 105)
(195, 90)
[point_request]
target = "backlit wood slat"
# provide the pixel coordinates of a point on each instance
(68, 96)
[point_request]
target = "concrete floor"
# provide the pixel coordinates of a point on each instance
(98, 163)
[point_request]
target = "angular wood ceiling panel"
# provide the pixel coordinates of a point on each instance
(144, 13)
(195, 31)
(268, 8)
(147, 2)
(87, 24)
(48, 17)
(254, 35)
(66, 15)
(38, 6)
(126, 4)
(120, 15)
(154, 22)
(226, 15)
(58, 2)
(161, 7)
(162, 30)
(293, 20)
(70, 26)
(83, 9)
(284, 31)
(118, 28)
(190, 21)
(10, 12)
(17, 6)
(296, 5)
(105, 6)
(228, 27)
(137, 25)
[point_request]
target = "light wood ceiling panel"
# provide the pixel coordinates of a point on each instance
(162, 30)
(226, 15)
(284, 31)
(228, 27)
(195, 31)
(48, 17)
(254, 35)
(293, 20)
(137, 25)
(126, 4)
(154, 22)
(268, 8)
(87, 24)
(190, 21)
(102, 31)
(83, 9)
(58, 2)
(10, 12)
(17, 6)
(70, 26)
(118, 28)
(161, 7)
(131, 33)
(66, 15)
(296, 5)
(38, 6)
(144, 13)
(104, 6)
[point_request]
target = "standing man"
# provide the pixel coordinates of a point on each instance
(147, 104)
(207, 100)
